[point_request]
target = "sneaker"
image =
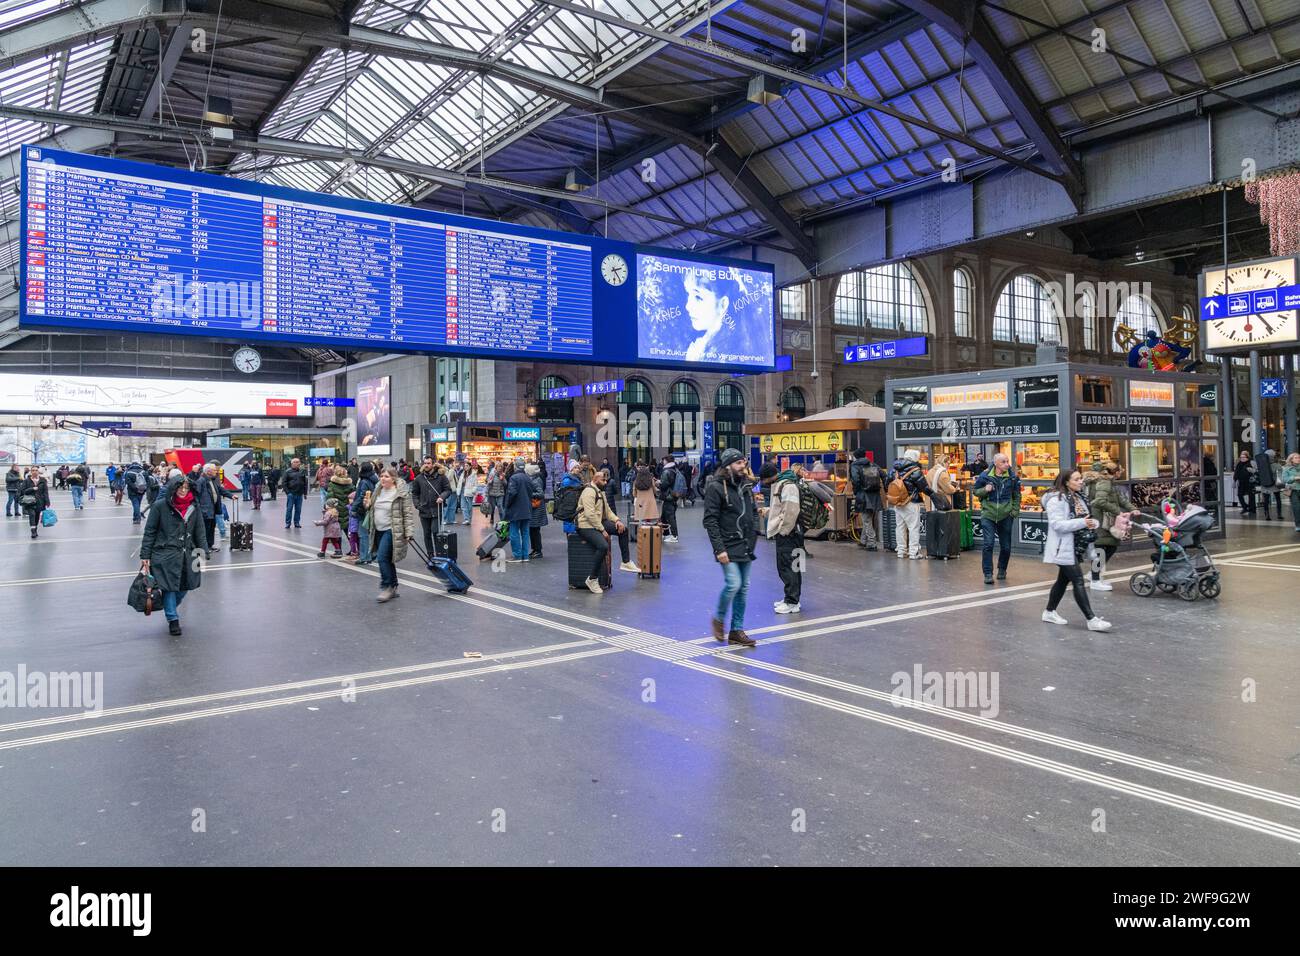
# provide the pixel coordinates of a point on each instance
(534, 554)
(1101, 586)
(740, 637)
(629, 566)
(784, 608)
(918, 557)
(872, 547)
(670, 539)
(1097, 624)
(1051, 617)
(1002, 575)
(988, 579)
(320, 554)
(718, 634)
(594, 586)
(337, 554)
(515, 560)
(174, 628)
(386, 595)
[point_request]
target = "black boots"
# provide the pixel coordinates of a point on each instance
(174, 628)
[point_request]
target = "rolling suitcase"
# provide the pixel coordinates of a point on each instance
(241, 532)
(444, 544)
(489, 545)
(631, 525)
(580, 557)
(967, 531)
(445, 570)
(649, 550)
(943, 534)
(889, 529)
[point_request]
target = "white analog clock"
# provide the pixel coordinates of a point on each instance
(248, 360)
(1250, 329)
(614, 268)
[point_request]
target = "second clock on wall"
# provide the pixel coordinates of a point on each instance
(247, 360)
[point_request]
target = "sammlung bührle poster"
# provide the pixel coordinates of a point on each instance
(697, 312)
(373, 417)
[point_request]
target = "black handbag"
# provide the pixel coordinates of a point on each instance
(145, 595)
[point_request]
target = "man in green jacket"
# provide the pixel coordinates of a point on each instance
(1107, 501)
(998, 490)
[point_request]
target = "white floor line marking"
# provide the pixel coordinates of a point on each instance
(442, 592)
(1005, 589)
(1252, 564)
(108, 575)
(1116, 756)
(292, 685)
(50, 537)
(1211, 811)
(297, 699)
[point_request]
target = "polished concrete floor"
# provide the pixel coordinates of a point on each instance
(299, 722)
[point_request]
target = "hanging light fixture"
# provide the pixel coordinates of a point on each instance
(1278, 199)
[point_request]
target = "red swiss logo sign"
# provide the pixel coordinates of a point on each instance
(285, 407)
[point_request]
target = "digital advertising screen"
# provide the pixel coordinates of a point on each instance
(93, 395)
(694, 312)
(374, 417)
(122, 246)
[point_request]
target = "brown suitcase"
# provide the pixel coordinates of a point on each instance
(649, 549)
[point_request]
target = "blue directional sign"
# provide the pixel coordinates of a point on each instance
(106, 426)
(1272, 388)
(326, 401)
(1282, 299)
(706, 439)
(877, 351)
(603, 388)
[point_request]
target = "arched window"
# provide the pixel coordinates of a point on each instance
(963, 314)
(1136, 314)
(729, 418)
(684, 395)
(729, 396)
(886, 297)
(683, 415)
(846, 395)
(1024, 313)
(1088, 322)
(792, 403)
(547, 383)
(635, 392)
(794, 303)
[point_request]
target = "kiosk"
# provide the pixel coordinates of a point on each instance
(499, 442)
(1161, 428)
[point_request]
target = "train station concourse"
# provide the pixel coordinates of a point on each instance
(578, 434)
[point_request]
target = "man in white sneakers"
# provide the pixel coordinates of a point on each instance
(784, 532)
(596, 524)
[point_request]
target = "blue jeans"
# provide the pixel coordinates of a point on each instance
(220, 519)
(292, 510)
(449, 509)
(1003, 530)
(519, 539)
(735, 590)
(77, 492)
(12, 502)
(172, 603)
(467, 507)
(324, 497)
(135, 507)
(384, 555)
(498, 507)
(363, 536)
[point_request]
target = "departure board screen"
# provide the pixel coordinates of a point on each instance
(117, 245)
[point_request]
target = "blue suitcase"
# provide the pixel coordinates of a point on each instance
(445, 570)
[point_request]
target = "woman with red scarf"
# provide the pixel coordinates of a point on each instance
(173, 546)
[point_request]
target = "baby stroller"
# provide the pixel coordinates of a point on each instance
(1180, 564)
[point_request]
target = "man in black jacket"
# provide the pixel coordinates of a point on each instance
(428, 491)
(867, 481)
(730, 520)
(294, 483)
(13, 481)
(273, 475)
(668, 500)
(207, 495)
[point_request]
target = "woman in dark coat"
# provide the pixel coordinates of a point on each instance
(174, 541)
(34, 490)
(538, 521)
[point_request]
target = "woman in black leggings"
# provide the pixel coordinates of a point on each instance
(34, 497)
(1067, 513)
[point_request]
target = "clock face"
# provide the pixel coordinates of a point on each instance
(614, 268)
(248, 360)
(1250, 330)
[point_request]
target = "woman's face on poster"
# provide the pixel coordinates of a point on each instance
(705, 307)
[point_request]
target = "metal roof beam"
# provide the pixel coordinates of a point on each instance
(963, 21)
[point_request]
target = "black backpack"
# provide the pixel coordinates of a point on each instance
(866, 476)
(566, 502)
(812, 513)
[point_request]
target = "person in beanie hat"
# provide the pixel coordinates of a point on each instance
(783, 531)
(732, 526)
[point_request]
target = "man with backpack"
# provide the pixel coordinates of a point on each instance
(906, 486)
(998, 490)
(137, 486)
(867, 483)
(785, 528)
(732, 527)
(669, 480)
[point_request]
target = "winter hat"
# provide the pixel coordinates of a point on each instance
(768, 472)
(531, 469)
(912, 455)
(728, 457)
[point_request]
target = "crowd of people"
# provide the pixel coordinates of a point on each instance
(376, 508)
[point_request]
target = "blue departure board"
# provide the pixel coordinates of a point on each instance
(111, 244)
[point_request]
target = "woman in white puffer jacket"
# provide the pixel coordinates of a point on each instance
(1067, 512)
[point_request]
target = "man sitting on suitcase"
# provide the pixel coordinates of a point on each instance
(596, 523)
